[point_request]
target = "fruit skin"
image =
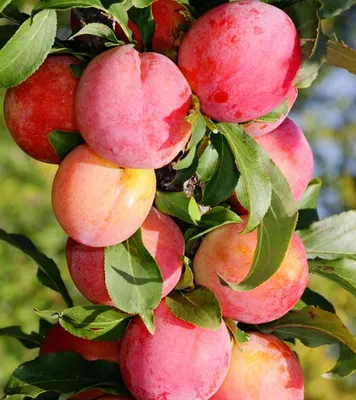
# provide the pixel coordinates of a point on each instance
(231, 255)
(226, 58)
(290, 151)
(256, 129)
(264, 368)
(146, 99)
(180, 361)
(58, 339)
(41, 104)
(170, 18)
(97, 203)
(162, 238)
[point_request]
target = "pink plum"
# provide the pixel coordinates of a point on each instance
(131, 108)
(98, 203)
(238, 63)
(264, 368)
(231, 254)
(162, 238)
(180, 361)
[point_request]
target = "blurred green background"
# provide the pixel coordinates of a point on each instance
(326, 113)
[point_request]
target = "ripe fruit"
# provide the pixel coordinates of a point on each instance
(256, 128)
(180, 361)
(171, 21)
(146, 100)
(290, 151)
(41, 104)
(238, 63)
(58, 339)
(262, 368)
(231, 255)
(128, 397)
(162, 238)
(97, 203)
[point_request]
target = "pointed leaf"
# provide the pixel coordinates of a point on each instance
(64, 373)
(238, 335)
(133, 278)
(199, 307)
(332, 8)
(308, 204)
(30, 341)
(48, 272)
(23, 54)
(207, 164)
(178, 205)
(249, 163)
(186, 281)
(342, 271)
(313, 327)
(341, 56)
(98, 29)
(332, 238)
(143, 18)
(225, 177)
(311, 298)
(96, 322)
(345, 366)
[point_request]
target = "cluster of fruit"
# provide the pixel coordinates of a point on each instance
(240, 60)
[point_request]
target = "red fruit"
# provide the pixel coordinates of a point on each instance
(231, 254)
(290, 151)
(171, 23)
(146, 99)
(180, 361)
(264, 368)
(256, 129)
(238, 63)
(41, 104)
(162, 238)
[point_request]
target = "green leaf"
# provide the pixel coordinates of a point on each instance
(145, 22)
(275, 114)
(142, 3)
(4, 3)
(65, 373)
(30, 341)
(187, 161)
(186, 280)
(27, 49)
(275, 231)
(95, 322)
(311, 298)
(308, 204)
(133, 278)
(178, 205)
(208, 163)
(237, 334)
(148, 319)
(48, 272)
(186, 168)
(64, 142)
(341, 56)
(249, 163)
(215, 218)
(225, 177)
(345, 366)
(197, 121)
(342, 271)
(98, 29)
(332, 8)
(6, 33)
(12, 13)
(77, 70)
(310, 68)
(117, 9)
(331, 238)
(199, 307)
(313, 327)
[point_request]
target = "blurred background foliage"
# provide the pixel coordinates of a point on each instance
(327, 114)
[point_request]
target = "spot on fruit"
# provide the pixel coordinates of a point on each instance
(221, 97)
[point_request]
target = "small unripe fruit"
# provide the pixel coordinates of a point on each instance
(146, 99)
(162, 238)
(264, 368)
(238, 63)
(41, 104)
(180, 361)
(98, 203)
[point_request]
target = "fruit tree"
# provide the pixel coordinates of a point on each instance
(186, 193)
